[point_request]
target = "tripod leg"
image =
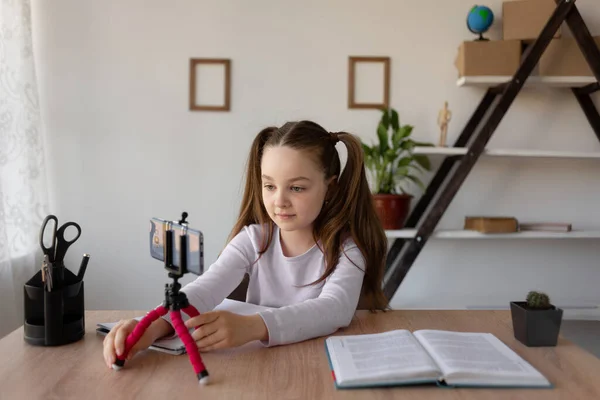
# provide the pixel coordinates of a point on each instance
(137, 333)
(190, 345)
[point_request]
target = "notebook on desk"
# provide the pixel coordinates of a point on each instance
(442, 358)
(174, 345)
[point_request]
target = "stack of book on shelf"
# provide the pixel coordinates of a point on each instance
(487, 224)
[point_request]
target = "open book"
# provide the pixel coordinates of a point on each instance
(174, 345)
(444, 358)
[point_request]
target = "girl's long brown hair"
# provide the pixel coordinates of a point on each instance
(348, 210)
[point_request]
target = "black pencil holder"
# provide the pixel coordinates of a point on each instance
(57, 317)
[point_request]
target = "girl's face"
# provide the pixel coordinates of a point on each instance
(293, 187)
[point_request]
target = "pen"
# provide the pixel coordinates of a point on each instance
(83, 266)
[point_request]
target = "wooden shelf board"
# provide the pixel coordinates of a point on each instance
(457, 151)
(468, 234)
(552, 81)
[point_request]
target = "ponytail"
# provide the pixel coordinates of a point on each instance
(252, 210)
(365, 226)
(350, 208)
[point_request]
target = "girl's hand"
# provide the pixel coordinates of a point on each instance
(224, 329)
(114, 342)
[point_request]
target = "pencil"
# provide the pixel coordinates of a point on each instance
(83, 266)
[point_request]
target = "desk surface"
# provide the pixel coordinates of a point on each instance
(252, 372)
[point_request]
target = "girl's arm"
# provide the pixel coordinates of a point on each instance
(222, 277)
(333, 309)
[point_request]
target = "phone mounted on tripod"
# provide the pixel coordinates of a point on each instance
(180, 255)
(180, 247)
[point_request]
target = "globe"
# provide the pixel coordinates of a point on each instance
(479, 20)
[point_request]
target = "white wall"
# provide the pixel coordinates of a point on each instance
(123, 147)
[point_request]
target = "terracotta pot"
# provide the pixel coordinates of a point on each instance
(392, 209)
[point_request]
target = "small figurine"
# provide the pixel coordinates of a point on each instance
(444, 117)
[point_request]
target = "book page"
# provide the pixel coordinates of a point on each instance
(172, 345)
(389, 357)
(478, 358)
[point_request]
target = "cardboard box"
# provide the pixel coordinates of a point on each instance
(525, 19)
(493, 57)
(563, 57)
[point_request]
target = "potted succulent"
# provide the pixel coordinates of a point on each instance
(392, 164)
(536, 322)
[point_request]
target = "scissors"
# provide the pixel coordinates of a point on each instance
(59, 245)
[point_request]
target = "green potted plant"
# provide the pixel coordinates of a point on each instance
(536, 321)
(392, 164)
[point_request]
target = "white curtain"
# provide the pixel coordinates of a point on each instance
(23, 191)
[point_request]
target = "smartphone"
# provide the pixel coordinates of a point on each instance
(194, 251)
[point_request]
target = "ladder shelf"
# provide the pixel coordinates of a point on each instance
(471, 144)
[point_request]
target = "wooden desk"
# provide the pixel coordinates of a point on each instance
(298, 371)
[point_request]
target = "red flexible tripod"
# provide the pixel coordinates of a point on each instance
(175, 301)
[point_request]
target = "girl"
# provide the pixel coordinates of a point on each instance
(308, 238)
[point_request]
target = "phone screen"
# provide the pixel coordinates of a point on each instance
(157, 238)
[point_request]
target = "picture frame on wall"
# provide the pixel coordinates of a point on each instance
(197, 83)
(354, 80)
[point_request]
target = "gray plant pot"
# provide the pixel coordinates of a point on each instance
(535, 328)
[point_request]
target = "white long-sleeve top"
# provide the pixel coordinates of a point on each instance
(297, 313)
